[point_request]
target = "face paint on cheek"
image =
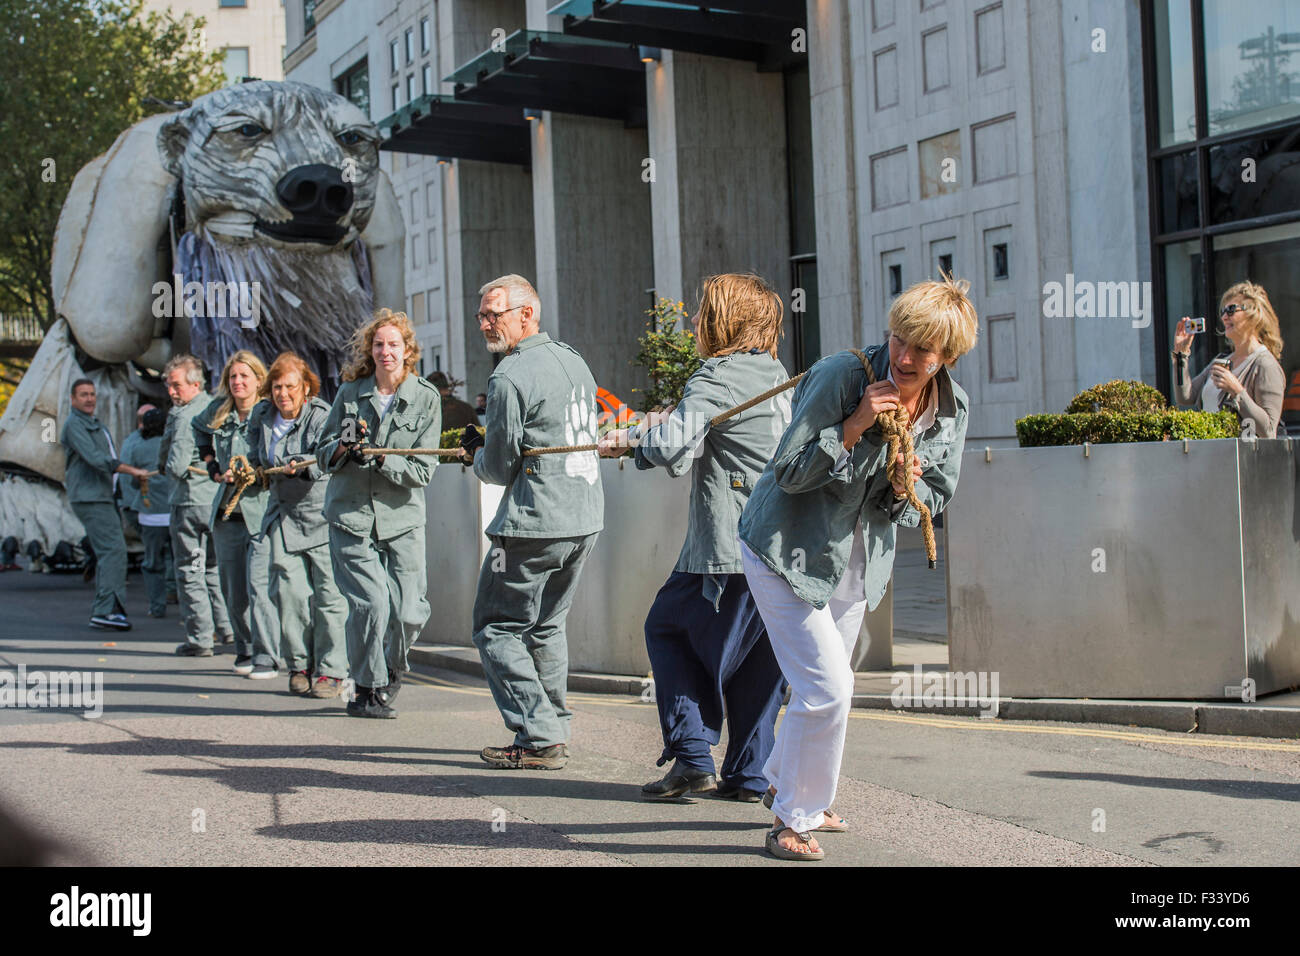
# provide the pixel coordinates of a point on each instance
(931, 368)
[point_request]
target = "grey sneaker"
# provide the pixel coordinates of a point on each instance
(262, 672)
(522, 758)
(110, 622)
(193, 650)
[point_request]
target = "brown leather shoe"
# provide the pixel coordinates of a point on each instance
(299, 683)
(326, 687)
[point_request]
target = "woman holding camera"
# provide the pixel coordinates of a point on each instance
(1249, 380)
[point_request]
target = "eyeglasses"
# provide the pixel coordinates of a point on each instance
(494, 317)
(1229, 309)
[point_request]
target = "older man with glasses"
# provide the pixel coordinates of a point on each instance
(541, 395)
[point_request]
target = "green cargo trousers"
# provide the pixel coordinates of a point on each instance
(198, 585)
(244, 561)
(383, 583)
(104, 529)
(156, 566)
(313, 614)
(525, 588)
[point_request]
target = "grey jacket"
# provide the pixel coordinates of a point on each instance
(727, 459)
(178, 451)
(542, 395)
(801, 516)
(232, 437)
(88, 463)
(298, 502)
(387, 499)
(143, 453)
(1261, 402)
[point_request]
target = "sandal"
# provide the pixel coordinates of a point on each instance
(775, 848)
(770, 797)
(827, 827)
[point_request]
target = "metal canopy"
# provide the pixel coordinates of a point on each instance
(761, 31)
(540, 69)
(443, 126)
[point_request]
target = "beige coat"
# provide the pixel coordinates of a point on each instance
(1261, 402)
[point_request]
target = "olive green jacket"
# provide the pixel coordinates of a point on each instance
(801, 516)
(231, 438)
(179, 451)
(387, 498)
(724, 460)
(542, 395)
(88, 463)
(297, 502)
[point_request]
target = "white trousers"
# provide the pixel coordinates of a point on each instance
(813, 647)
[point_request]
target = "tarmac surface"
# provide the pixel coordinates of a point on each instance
(190, 764)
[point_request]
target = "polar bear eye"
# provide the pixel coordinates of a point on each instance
(250, 130)
(350, 137)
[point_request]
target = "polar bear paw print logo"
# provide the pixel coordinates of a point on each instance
(580, 429)
(780, 404)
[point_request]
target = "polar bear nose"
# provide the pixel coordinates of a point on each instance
(316, 191)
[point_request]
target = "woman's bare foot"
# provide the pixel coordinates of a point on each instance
(789, 841)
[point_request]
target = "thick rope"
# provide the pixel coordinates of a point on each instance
(715, 420)
(895, 425)
(245, 476)
(264, 473)
(439, 452)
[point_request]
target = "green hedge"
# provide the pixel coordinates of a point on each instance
(1109, 427)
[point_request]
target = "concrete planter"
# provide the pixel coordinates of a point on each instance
(1152, 570)
(645, 525)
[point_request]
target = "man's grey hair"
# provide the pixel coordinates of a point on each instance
(193, 367)
(519, 292)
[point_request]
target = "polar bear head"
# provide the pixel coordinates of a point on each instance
(285, 163)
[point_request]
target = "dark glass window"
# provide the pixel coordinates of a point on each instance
(895, 280)
(804, 326)
(355, 86)
(1255, 177)
(1223, 114)
(1000, 265)
(1177, 185)
(309, 15)
(1252, 63)
(945, 263)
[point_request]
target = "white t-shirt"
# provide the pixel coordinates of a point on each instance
(279, 428)
(384, 401)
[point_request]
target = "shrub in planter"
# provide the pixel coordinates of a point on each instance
(1107, 427)
(1122, 411)
(1118, 396)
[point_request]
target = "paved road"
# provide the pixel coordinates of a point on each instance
(190, 764)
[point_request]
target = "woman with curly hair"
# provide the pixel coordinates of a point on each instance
(1248, 380)
(284, 427)
(243, 553)
(375, 503)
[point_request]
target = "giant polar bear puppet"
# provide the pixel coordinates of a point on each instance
(257, 218)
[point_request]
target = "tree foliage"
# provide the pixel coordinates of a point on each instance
(76, 74)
